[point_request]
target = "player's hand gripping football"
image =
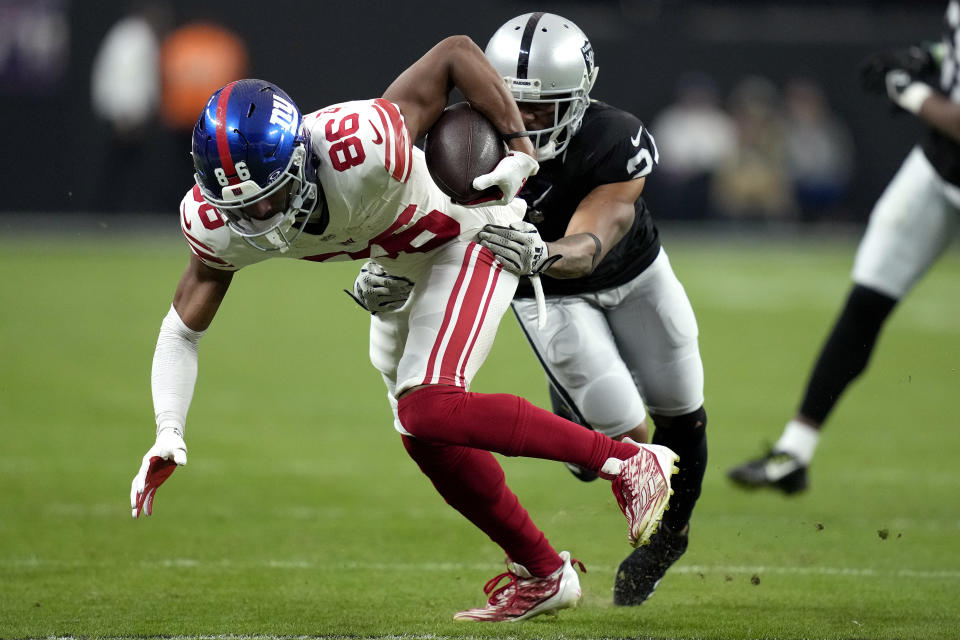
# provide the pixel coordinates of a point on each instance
(167, 453)
(508, 176)
(519, 247)
(376, 290)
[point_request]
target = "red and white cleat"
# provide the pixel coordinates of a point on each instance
(642, 488)
(525, 596)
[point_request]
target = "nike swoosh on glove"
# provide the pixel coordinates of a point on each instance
(169, 452)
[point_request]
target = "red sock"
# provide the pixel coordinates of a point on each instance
(505, 424)
(472, 482)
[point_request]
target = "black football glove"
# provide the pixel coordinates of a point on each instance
(917, 61)
(906, 91)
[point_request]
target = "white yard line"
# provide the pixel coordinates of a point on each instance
(458, 567)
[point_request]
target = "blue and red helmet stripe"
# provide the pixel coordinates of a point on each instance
(223, 143)
(248, 125)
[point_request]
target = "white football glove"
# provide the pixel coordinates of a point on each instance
(169, 452)
(906, 91)
(376, 290)
(518, 247)
(509, 176)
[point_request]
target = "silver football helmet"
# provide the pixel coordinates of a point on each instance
(545, 58)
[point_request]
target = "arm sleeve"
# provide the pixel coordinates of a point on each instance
(174, 372)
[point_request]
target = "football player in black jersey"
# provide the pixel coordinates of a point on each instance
(911, 224)
(619, 336)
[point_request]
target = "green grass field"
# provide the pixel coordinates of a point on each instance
(299, 513)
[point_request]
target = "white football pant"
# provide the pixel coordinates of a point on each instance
(611, 351)
(445, 331)
(910, 226)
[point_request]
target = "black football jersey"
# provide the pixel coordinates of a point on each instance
(944, 152)
(611, 146)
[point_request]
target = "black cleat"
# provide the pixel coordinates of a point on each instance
(641, 571)
(777, 470)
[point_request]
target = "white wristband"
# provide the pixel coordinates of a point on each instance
(914, 96)
(174, 372)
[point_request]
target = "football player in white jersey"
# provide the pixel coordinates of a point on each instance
(620, 335)
(346, 183)
(910, 226)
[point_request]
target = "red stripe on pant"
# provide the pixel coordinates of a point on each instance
(458, 332)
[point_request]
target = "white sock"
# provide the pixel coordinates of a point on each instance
(800, 440)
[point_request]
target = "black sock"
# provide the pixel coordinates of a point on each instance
(846, 352)
(687, 436)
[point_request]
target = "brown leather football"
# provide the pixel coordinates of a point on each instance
(461, 145)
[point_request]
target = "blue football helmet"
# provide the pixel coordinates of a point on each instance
(251, 163)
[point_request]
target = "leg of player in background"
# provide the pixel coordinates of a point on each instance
(912, 223)
(842, 359)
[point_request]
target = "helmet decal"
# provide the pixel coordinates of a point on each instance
(284, 114)
(587, 51)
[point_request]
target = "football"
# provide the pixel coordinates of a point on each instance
(461, 145)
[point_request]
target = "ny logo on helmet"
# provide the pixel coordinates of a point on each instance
(283, 113)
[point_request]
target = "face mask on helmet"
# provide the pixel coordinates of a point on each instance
(546, 61)
(250, 162)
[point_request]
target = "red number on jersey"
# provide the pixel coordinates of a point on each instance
(209, 217)
(349, 124)
(346, 152)
(427, 233)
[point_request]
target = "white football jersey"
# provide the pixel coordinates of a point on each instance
(381, 199)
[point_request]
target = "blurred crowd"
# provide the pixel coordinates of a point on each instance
(149, 81)
(761, 153)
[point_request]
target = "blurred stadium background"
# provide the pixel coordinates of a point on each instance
(272, 530)
(753, 56)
